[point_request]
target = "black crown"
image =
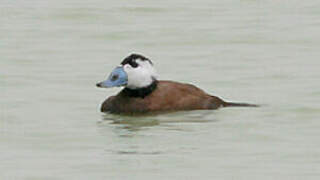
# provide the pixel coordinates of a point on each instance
(132, 60)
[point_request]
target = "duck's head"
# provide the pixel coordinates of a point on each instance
(134, 72)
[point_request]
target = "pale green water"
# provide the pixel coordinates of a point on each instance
(266, 52)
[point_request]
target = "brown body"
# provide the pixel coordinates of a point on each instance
(168, 96)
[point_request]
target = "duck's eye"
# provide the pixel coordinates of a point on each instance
(134, 64)
(114, 77)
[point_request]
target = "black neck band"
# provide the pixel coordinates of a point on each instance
(141, 92)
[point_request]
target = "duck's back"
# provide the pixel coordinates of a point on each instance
(168, 96)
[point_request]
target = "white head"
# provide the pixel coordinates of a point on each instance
(134, 72)
(140, 73)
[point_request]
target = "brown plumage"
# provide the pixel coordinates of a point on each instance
(167, 96)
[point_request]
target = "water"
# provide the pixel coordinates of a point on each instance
(265, 52)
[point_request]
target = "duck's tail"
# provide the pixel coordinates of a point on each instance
(232, 104)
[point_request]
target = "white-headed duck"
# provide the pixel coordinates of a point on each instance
(144, 93)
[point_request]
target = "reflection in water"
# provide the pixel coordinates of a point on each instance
(132, 135)
(136, 123)
(130, 123)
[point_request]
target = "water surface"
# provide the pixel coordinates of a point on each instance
(265, 52)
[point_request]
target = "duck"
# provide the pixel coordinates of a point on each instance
(143, 93)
